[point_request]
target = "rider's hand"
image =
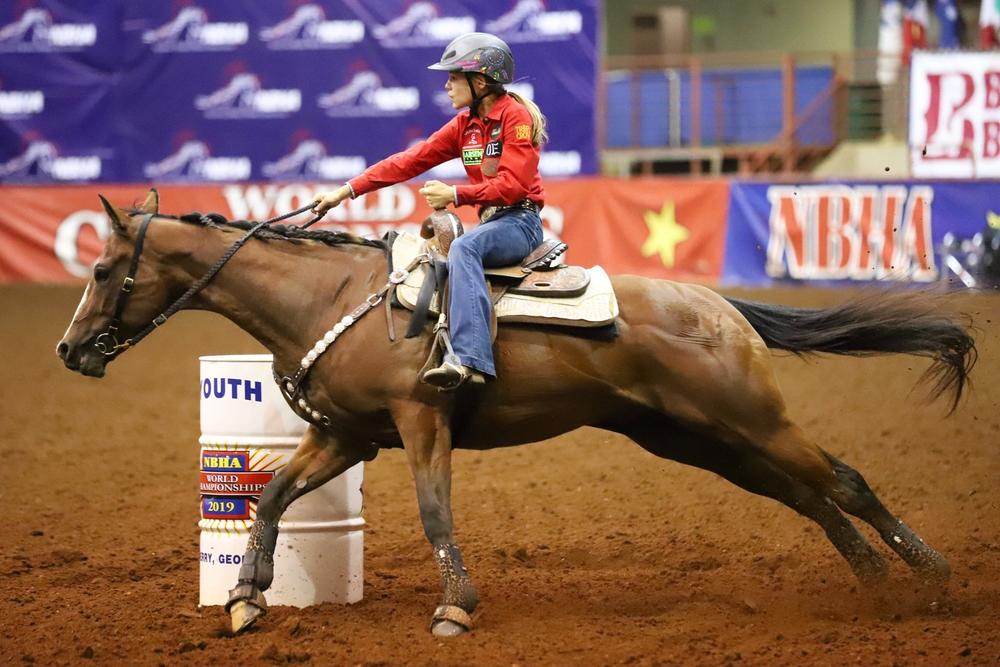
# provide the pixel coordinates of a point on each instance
(324, 201)
(437, 194)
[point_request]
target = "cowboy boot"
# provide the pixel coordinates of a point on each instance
(450, 376)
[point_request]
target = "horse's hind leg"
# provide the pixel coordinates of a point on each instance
(853, 495)
(755, 417)
(857, 498)
(319, 458)
(756, 474)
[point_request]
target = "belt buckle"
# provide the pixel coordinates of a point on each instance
(488, 213)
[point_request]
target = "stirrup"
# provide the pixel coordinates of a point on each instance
(450, 376)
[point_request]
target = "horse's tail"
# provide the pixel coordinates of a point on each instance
(905, 323)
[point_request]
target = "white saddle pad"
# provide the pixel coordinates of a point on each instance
(594, 308)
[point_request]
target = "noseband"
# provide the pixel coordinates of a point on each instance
(107, 342)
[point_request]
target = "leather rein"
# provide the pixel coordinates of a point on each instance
(289, 385)
(107, 342)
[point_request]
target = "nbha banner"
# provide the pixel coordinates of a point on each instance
(661, 228)
(850, 231)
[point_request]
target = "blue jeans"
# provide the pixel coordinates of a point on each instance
(502, 241)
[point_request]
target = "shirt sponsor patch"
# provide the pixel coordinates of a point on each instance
(495, 132)
(494, 149)
(522, 131)
(472, 137)
(472, 155)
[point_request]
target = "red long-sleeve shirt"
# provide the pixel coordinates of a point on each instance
(499, 158)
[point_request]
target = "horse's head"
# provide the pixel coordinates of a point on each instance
(122, 296)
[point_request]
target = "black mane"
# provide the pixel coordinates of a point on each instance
(291, 233)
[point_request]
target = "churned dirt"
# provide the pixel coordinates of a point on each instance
(586, 549)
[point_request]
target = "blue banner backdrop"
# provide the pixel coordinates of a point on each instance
(231, 90)
(851, 231)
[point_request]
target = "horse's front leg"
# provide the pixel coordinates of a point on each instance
(426, 436)
(320, 457)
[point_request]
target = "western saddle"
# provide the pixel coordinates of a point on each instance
(536, 291)
(537, 275)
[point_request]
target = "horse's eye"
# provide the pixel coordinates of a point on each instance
(101, 273)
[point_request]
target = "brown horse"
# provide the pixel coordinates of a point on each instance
(687, 375)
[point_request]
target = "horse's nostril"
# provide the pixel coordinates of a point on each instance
(62, 349)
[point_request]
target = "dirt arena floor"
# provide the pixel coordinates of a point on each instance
(586, 549)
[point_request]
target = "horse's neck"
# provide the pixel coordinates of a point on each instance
(281, 293)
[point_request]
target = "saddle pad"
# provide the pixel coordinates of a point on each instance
(596, 307)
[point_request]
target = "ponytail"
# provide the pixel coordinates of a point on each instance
(539, 135)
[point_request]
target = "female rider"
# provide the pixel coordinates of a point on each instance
(499, 141)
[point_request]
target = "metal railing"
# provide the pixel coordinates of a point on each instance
(756, 112)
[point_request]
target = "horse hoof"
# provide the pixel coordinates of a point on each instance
(445, 628)
(450, 621)
(936, 571)
(244, 613)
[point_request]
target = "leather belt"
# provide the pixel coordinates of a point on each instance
(489, 212)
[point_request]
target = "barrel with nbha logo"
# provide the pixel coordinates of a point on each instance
(248, 434)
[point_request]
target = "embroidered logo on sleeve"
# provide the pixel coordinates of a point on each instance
(522, 131)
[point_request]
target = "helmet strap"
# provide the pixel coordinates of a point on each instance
(476, 99)
(491, 88)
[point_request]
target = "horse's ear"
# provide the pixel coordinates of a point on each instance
(152, 203)
(118, 217)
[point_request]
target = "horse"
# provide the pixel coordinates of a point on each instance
(685, 373)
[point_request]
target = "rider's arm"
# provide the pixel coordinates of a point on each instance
(517, 169)
(418, 158)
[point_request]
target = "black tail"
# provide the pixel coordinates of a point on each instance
(913, 323)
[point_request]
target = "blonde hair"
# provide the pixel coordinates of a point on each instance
(539, 135)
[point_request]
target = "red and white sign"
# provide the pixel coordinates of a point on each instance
(662, 228)
(955, 115)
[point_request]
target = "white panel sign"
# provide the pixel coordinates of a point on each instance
(955, 115)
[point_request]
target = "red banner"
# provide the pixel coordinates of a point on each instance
(662, 228)
(656, 227)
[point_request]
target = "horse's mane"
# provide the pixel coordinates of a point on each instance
(290, 233)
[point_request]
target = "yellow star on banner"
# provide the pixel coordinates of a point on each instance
(665, 233)
(993, 220)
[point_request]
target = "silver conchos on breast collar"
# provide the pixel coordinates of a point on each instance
(291, 386)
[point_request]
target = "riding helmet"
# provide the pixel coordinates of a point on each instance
(478, 52)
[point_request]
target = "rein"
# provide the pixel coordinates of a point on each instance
(289, 385)
(107, 343)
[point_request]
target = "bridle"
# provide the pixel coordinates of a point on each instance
(107, 342)
(290, 385)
